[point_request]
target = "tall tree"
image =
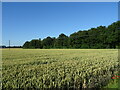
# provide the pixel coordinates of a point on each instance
(61, 41)
(48, 42)
(35, 43)
(100, 37)
(26, 44)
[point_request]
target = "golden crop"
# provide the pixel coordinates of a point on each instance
(58, 68)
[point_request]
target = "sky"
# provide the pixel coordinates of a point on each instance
(60, 0)
(24, 21)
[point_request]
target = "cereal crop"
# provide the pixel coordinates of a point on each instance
(58, 68)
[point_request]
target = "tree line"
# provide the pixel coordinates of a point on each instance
(3, 46)
(95, 38)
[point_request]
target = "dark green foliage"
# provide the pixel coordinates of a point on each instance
(33, 44)
(61, 41)
(26, 44)
(95, 38)
(48, 42)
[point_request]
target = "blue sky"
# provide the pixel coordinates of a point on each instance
(24, 21)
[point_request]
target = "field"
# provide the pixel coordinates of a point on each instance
(58, 68)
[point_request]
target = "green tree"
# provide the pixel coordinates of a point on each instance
(61, 41)
(100, 37)
(35, 43)
(48, 42)
(26, 44)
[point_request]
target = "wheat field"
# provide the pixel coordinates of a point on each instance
(58, 68)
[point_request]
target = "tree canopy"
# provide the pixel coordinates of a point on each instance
(94, 38)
